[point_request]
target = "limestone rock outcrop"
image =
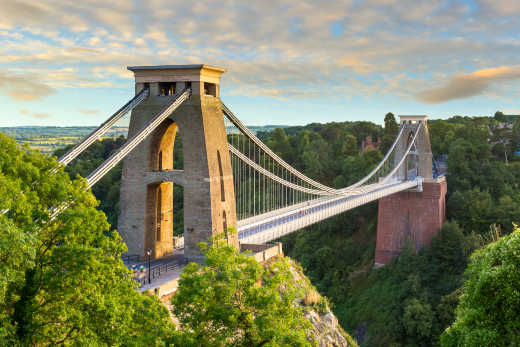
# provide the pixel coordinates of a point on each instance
(327, 332)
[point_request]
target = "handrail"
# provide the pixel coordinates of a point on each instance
(135, 140)
(331, 191)
(272, 176)
(385, 158)
(103, 128)
(129, 145)
(227, 112)
(419, 127)
(158, 270)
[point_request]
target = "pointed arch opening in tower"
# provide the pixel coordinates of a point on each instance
(162, 146)
(411, 161)
(160, 206)
(225, 226)
(221, 180)
(158, 214)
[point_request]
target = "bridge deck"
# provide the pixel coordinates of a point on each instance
(270, 226)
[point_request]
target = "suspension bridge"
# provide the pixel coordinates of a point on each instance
(232, 179)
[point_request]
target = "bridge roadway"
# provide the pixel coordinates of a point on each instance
(270, 226)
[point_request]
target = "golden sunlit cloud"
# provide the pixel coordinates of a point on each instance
(467, 85)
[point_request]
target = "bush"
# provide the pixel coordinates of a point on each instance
(488, 311)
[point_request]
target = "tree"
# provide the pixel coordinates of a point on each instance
(347, 146)
(515, 137)
(232, 300)
(473, 209)
(62, 281)
(355, 168)
(442, 135)
(500, 117)
(280, 143)
(487, 314)
(390, 132)
(418, 319)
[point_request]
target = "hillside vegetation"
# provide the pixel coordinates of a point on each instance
(411, 301)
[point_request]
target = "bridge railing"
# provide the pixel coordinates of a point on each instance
(157, 271)
(264, 182)
(103, 128)
(404, 157)
(130, 257)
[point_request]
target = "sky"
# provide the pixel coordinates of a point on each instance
(288, 62)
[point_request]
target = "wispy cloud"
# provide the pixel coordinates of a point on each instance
(23, 87)
(35, 115)
(41, 115)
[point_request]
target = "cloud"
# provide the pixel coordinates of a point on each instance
(383, 47)
(468, 85)
(41, 115)
(23, 87)
(502, 7)
(36, 115)
(85, 111)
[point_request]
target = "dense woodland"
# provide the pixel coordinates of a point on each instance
(412, 301)
(63, 283)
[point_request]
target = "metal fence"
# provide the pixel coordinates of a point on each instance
(130, 257)
(141, 276)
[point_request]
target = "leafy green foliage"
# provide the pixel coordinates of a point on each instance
(107, 189)
(232, 300)
(322, 150)
(63, 281)
(390, 132)
(488, 311)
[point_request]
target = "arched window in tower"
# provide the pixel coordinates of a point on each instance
(158, 214)
(224, 225)
(159, 166)
(221, 174)
(410, 162)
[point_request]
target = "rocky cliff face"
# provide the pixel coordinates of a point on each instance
(327, 332)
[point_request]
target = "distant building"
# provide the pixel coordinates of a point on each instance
(368, 143)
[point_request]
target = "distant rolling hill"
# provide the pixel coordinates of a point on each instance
(47, 139)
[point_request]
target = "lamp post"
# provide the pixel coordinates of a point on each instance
(149, 254)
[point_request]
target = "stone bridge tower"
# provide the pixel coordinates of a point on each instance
(146, 203)
(414, 215)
